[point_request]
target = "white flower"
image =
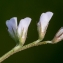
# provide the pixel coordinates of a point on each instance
(23, 28)
(12, 26)
(59, 36)
(43, 23)
(19, 31)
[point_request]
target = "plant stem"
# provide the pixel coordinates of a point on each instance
(11, 52)
(19, 48)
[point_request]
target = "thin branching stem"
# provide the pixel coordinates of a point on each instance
(19, 48)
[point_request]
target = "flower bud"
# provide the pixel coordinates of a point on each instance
(59, 36)
(43, 23)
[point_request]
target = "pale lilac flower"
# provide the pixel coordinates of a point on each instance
(12, 26)
(23, 28)
(18, 31)
(59, 36)
(43, 23)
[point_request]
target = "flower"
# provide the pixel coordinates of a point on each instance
(43, 23)
(59, 36)
(18, 31)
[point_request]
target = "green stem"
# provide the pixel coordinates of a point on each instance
(11, 52)
(19, 48)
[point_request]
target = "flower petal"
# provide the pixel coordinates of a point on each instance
(24, 24)
(44, 19)
(12, 25)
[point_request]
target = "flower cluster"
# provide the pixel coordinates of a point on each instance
(19, 32)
